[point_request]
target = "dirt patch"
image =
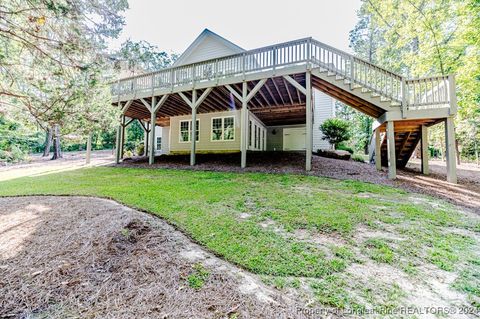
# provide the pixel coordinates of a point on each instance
(419, 294)
(466, 193)
(38, 165)
(84, 257)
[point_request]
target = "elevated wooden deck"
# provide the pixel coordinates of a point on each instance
(275, 83)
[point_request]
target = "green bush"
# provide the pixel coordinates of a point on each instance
(335, 131)
(343, 147)
(358, 158)
(140, 150)
(13, 155)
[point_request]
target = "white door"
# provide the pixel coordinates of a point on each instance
(294, 139)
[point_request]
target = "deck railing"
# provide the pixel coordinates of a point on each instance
(423, 93)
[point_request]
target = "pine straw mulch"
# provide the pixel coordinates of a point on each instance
(71, 257)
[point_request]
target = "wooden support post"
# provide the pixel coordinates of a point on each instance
(378, 150)
(244, 127)
(392, 162)
(450, 150)
(309, 123)
(424, 150)
(122, 137)
(153, 120)
(193, 136)
(117, 145)
(89, 148)
(147, 133)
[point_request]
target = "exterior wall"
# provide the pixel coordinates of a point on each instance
(164, 134)
(275, 141)
(209, 48)
(324, 109)
(204, 143)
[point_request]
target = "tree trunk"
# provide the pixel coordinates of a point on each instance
(57, 152)
(48, 142)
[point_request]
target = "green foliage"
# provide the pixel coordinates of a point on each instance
(196, 279)
(358, 158)
(469, 282)
(140, 150)
(379, 250)
(16, 141)
(144, 56)
(135, 136)
(360, 126)
(343, 147)
(57, 70)
(416, 38)
(333, 291)
(335, 131)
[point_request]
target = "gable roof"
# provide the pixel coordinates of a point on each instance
(208, 45)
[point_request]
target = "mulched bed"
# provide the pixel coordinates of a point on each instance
(266, 162)
(79, 257)
(466, 193)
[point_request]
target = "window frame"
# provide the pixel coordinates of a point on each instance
(222, 118)
(180, 140)
(156, 143)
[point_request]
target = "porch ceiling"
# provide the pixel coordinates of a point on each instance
(278, 102)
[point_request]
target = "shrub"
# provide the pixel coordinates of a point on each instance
(140, 149)
(343, 147)
(358, 158)
(335, 131)
(334, 154)
(13, 155)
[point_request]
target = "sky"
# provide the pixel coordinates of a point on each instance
(173, 25)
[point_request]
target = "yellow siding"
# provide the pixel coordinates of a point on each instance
(204, 144)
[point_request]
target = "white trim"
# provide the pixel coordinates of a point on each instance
(223, 128)
(189, 131)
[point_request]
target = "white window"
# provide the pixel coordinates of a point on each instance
(159, 143)
(223, 128)
(186, 130)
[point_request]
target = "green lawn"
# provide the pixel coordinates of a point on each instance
(252, 220)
